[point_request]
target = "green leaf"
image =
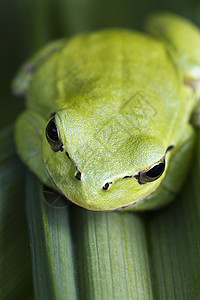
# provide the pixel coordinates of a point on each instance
(111, 255)
(51, 247)
(15, 262)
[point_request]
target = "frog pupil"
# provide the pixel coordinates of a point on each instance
(53, 137)
(157, 170)
(52, 131)
(78, 175)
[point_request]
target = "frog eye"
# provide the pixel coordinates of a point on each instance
(53, 136)
(152, 173)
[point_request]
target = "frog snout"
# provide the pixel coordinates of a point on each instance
(107, 185)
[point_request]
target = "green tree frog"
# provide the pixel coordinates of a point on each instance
(107, 119)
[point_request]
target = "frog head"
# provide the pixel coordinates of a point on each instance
(95, 172)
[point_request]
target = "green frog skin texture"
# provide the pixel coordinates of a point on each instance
(107, 119)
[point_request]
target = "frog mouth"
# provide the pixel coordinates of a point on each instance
(132, 204)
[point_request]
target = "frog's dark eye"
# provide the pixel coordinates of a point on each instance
(53, 136)
(152, 173)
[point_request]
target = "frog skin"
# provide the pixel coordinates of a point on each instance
(107, 119)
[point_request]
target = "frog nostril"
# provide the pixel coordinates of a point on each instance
(78, 175)
(107, 185)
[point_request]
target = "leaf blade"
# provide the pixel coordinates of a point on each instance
(111, 255)
(52, 259)
(15, 263)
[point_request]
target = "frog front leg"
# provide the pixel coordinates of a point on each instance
(29, 129)
(178, 169)
(22, 81)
